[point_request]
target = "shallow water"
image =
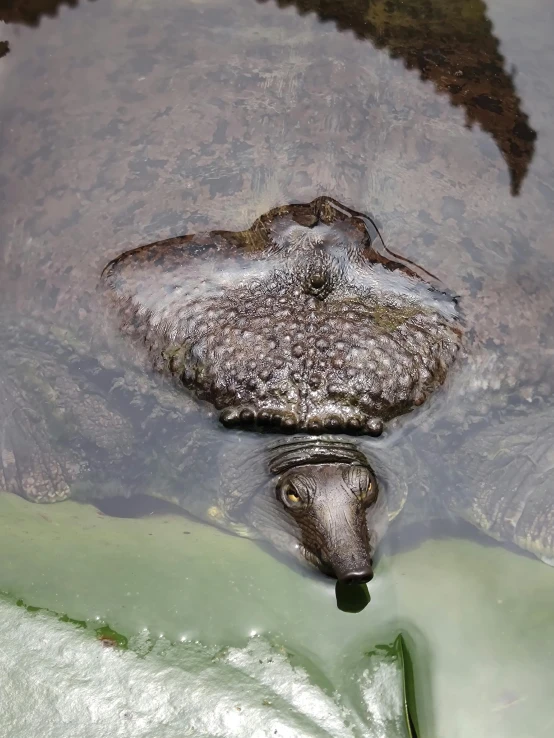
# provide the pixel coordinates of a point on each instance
(476, 620)
(123, 123)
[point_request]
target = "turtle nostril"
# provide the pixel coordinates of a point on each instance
(317, 280)
(319, 284)
(361, 576)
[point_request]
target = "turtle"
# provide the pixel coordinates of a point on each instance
(181, 369)
(308, 340)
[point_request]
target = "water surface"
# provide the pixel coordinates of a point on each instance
(123, 123)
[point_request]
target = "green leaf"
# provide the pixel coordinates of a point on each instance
(410, 710)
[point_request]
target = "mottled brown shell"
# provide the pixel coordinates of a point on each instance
(298, 323)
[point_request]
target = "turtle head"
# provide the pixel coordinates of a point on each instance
(332, 505)
(335, 515)
(323, 505)
(322, 501)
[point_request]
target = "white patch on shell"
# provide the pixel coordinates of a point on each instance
(386, 284)
(301, 237)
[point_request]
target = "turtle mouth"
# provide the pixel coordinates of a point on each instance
(360, 575)
(317, 562)
(325, 568)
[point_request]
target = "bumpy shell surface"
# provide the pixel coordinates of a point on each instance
(298, 323)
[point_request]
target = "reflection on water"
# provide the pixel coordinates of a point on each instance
(126, 123)
(29, 13)
(352, 598)
(452, 44)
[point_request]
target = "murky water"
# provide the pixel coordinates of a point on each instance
(124, 123)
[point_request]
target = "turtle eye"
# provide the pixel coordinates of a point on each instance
(368, 491)
(370, 494)
(290, 496)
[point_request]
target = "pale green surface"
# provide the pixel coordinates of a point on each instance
(479, 621)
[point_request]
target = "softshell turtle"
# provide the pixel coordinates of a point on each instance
(297, 325)
(355, 384)
(301, 329)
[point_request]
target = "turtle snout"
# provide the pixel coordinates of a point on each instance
(361, 575)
